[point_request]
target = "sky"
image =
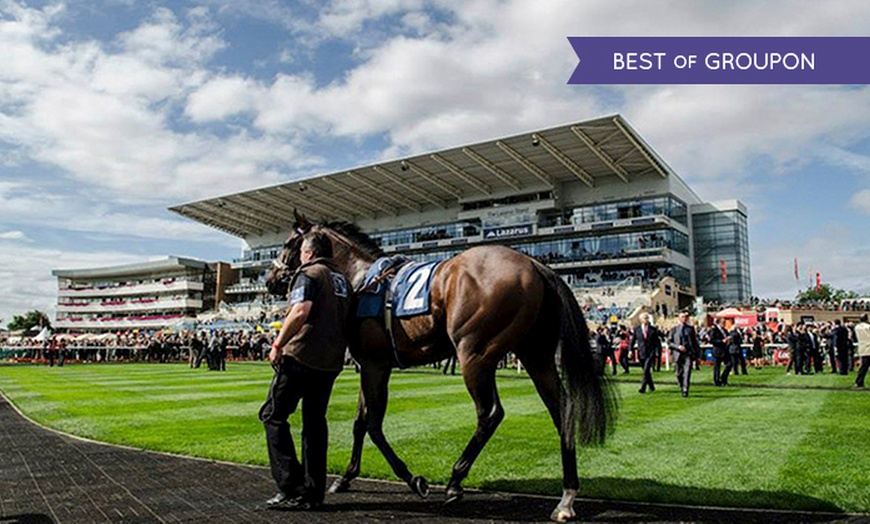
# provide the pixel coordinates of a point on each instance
(113, 110)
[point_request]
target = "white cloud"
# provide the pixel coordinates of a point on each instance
(13, 235)
(861, 201)
(834, 256)
(26, 282)
(220, 98)
(106, 119)
(26, 205)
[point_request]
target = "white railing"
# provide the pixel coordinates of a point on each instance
(153, 288)
(129, 305)
(118, 324)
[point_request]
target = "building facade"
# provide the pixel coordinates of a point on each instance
(150, 295)
(590, 199)
(721, 235)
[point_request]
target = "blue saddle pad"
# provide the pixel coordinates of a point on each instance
(410, 289)
(371, 303)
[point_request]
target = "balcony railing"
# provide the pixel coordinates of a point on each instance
(126, 323)
(154, 288)
(129, 305)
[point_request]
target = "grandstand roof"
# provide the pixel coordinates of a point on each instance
(162, 264)
(588, 152)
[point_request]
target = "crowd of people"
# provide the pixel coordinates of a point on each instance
(213, 347)
(803, 348)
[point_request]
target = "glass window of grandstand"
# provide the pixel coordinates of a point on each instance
(666, 205)
(427, 233)
(623, 245)
(644, 276)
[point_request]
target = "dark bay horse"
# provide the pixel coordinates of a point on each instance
(485, 302)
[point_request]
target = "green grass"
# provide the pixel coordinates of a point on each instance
(773, 447)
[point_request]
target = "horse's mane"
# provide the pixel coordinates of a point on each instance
(353, 233)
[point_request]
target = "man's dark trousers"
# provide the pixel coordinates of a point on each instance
(683, 367)
(862, 371)
(648, 363)
(720, 356)
(294, 382)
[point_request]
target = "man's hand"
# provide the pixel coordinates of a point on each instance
(275, 356)
(681, 349)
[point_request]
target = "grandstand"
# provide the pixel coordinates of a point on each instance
(591, 199)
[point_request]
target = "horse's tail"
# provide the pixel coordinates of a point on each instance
(590, 398)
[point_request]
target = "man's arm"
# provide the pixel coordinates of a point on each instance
(672, 343)
(296, 318)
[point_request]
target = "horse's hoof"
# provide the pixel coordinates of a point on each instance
(341, 485)
(454, 495)
(562, 515)
(420, 486)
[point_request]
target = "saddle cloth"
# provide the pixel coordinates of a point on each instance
(409, 288)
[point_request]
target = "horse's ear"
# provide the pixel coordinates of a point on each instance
(301, 223)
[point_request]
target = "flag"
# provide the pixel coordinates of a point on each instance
(796, 277)
(723, 271)
(818, 282)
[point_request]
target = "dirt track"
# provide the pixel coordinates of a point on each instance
(49, 477)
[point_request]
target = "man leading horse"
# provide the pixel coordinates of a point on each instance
(484, 302)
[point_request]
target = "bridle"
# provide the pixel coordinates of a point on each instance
(281, 265)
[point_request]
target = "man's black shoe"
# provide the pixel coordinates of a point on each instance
(685, 393)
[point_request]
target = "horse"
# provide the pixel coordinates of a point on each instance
(485, 302)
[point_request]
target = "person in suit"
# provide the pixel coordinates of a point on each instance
(840, 341)
(717, 336)
(733, 342)
(646, 338)
(605, 347)
(683, 341)
(862, 333)
(814, 360)
(792, 338)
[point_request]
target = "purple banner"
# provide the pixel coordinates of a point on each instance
(721, 60)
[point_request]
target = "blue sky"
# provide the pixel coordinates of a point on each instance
(111, 111)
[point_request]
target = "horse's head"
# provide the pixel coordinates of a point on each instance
(283, 267)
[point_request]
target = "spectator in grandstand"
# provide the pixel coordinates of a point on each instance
(645, 338)
(717, 336)
(862, 333)
(308, 354)
(683, 341)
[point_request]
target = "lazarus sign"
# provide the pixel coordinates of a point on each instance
(507, 231)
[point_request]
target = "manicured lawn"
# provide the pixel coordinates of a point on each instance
(775, 446)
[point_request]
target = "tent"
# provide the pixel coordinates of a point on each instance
(43, 335)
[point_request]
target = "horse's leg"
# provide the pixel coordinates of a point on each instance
(359, 434)
(546, 379)
(375, 381)
(480, 381)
